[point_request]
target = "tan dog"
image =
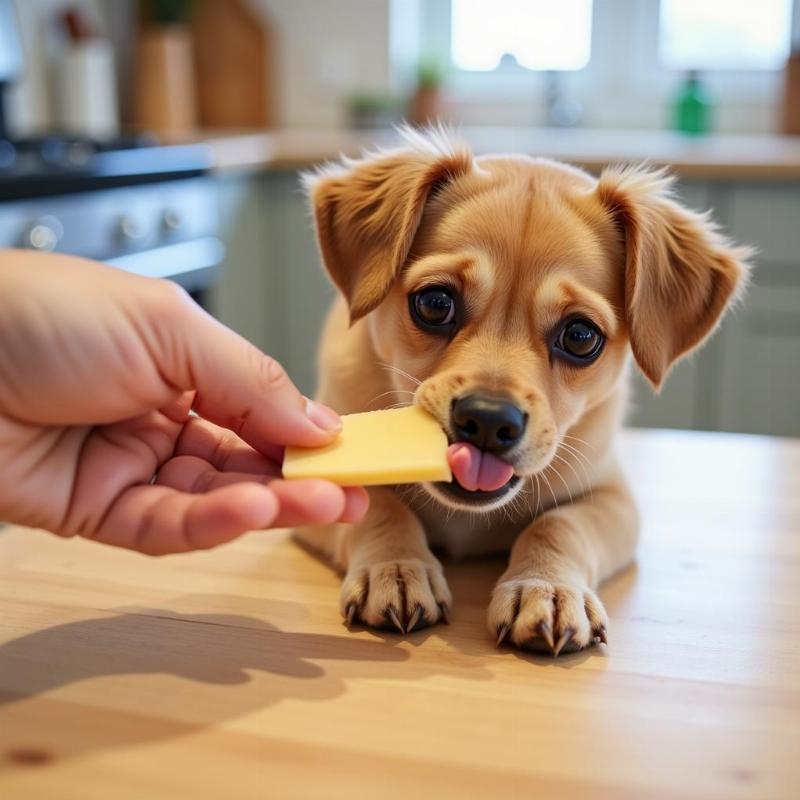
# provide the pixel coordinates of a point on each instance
(504, 295)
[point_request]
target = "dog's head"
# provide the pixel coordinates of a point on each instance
(513, 290)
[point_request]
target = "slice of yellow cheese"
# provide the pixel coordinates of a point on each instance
(402, 445)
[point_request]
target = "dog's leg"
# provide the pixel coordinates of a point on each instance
(391, 577)
(545, 599)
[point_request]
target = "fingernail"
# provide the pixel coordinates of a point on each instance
(322, 416)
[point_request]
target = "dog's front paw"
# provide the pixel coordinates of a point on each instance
(535, 614)
(406, 594)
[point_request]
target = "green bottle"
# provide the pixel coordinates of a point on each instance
(692, 108)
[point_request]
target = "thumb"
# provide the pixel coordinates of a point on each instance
(239, 387)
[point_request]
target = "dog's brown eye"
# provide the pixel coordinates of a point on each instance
(580, 341)
(433, 309)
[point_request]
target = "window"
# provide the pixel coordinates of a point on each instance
(537, 34)
(724, 34)
(622, 60)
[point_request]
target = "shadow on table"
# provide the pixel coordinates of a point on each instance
(212, 668)
(237, 664)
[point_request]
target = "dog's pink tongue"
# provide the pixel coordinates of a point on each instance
(474, 469)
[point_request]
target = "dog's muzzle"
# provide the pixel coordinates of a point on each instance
(490, 423)
(489, 427)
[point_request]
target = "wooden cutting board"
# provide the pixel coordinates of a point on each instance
(233, 49)
(791, 96)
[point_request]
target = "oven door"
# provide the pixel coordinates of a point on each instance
(161, 230)
(193, 264)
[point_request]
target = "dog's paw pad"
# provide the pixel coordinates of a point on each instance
(403, 595)
(534, 614)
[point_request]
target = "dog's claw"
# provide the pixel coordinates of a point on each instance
(444, 612)
(394, 619)
(502, 632)
(351, 610)
(602, 634)
(414, 620)
(563, 639)
(544, 630)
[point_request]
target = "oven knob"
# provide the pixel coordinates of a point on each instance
(44, 234)
(130, 229)
(171, 220)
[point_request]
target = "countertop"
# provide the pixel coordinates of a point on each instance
(715, 157)
(229, 673)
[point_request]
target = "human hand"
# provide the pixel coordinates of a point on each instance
(99, 370)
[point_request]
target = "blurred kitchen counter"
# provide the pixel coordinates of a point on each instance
(711, 157)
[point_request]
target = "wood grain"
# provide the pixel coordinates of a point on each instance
(229, 673)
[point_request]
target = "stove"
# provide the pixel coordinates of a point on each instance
(131, 202)
(54, 164)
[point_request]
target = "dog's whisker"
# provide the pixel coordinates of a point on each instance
(550, 488)
(558, 474)
(586, 484)
(584, 459)
(581, 485)
(407, 488)
(578, 440)
(391, 391)
(527, 496)
(418, 495)
(517, 505)
(429, 499)
(583, 476)
(573, 449)
(401, 372)
(581, 458)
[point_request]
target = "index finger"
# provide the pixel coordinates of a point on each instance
(239, 387)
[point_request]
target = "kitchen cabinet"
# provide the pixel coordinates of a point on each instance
(241, 294)
(273, 290)
(747, 378)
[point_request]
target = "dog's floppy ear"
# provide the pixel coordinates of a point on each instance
(680, 272)
(367, 213)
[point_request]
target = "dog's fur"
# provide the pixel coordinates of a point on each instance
(528, 242)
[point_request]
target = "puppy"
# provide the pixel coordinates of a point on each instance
(505, 295)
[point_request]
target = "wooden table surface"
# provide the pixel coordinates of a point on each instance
(229, 674)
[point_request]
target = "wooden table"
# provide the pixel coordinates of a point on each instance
(229, 674)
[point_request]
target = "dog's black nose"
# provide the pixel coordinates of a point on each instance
(490, 423)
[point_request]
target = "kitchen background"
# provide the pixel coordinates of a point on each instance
(165, 137)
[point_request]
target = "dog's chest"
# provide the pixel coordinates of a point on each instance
(465, 535)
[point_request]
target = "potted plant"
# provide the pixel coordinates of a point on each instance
(164, 93)
(427, 103)
(374, 111)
